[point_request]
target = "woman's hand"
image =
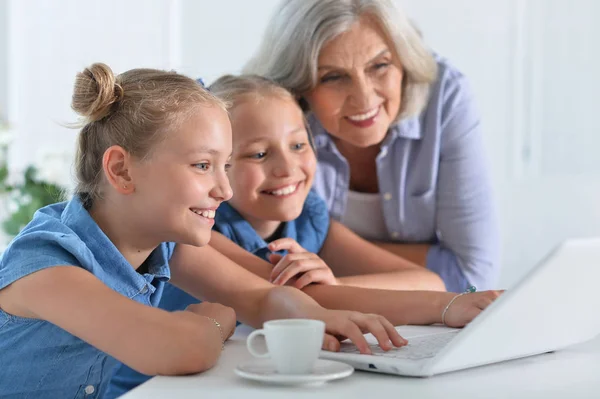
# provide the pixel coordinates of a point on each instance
(466, 307)
(342, 324)
(299, 267)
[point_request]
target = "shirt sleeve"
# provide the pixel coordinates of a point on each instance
(34, 251)
(465, 220)
(443, 262)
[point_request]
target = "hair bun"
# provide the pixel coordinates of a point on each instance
(95, 91)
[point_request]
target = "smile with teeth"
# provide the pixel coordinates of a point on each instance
(365, 116)
(287, 190)
(209, 214)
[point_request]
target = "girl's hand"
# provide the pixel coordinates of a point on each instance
(466, 307)
(299, 267)
(342, 324)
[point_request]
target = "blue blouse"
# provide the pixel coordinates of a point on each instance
(434, 184)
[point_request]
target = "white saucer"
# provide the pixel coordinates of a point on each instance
(323, 370)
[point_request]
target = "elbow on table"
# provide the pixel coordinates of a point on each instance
(189, 352)
(193, 362)
(189, 361)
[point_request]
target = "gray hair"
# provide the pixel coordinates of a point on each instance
(299, 29)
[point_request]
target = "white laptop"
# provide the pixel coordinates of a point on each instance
(554, 306)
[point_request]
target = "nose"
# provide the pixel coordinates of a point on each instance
(283, 165)
(361, 92)
(221, 190)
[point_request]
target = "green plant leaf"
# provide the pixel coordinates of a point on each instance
(29, 196)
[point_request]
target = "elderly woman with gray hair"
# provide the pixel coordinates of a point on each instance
(398, 138)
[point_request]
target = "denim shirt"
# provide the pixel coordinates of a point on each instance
(434, 182)
(39, 359)
(309, 229)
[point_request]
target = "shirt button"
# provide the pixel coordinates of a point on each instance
(387, 196)
(89, 390)
(395, 234)
(144, 289)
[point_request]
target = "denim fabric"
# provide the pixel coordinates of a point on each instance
(38, 359)
(310, 230)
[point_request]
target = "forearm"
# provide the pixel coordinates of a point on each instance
(284, 302)
(182, 342)
(76, 301)
(249, 303)
(415, 253)
(186, 343)
(406, 279)
(399, 307)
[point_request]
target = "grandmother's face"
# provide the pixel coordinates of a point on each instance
(358, 89)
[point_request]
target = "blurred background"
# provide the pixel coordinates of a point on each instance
(531, 64)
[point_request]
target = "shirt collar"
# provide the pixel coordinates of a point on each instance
(79, 220)
(408, 128)
(245, 235)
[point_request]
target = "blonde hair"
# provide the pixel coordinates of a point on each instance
(299, 29)
(234, 90)
(134, 110)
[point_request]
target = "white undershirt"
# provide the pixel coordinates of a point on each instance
(364, 216)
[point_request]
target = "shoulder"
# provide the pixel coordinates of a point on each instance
(225, 218)
(451, 113)
(313, 223)
(46, 241)
(451, 89)
(314, 205)
(230, 223)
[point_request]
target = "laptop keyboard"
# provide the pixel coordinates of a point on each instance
(422, 347)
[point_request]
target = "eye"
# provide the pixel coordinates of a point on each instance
(203, 166)
(227, 166)
(258, 155)
(298, 146)
(330, 78)
(381, 66)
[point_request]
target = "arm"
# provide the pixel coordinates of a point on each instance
(399, 307)
(359, 263)
(206, 273)
(465, 216)
(415, 253)
(76, 301)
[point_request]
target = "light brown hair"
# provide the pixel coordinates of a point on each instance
(234, 90)
(133, 110)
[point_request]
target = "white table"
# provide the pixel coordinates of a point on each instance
(570, 373)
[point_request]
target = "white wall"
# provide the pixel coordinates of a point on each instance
(530, 63)
(220, 36)
(51, 40)
(3, 57)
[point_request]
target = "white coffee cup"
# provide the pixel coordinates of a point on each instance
(292, 344)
